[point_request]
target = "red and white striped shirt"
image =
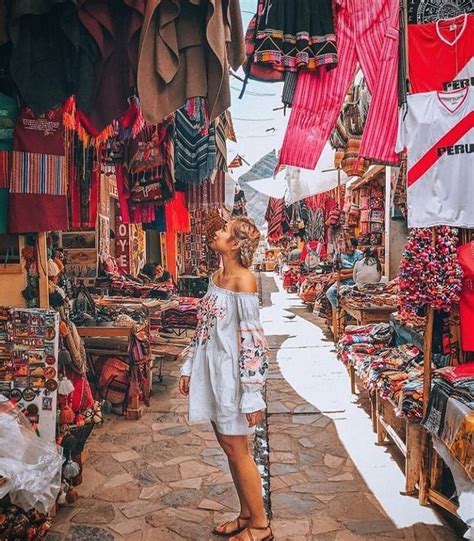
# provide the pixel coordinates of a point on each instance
(438, 133)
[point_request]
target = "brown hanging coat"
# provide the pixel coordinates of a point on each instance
(186, 47)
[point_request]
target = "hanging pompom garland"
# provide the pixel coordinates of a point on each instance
(429, 271)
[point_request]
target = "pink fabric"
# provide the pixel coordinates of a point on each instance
(367, 33)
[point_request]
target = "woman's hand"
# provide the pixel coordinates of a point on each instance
(254, 418)
(184, 385)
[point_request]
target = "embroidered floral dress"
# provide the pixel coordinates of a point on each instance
(227, 361)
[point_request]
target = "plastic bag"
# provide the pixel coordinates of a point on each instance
(31, 466)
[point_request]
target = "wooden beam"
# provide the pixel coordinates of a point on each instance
(42, 271)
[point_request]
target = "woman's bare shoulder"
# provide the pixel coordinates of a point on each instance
(246, 282)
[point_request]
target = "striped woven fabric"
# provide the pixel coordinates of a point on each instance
(43, 174)
(5, 168)
(289, 88)
(195, 154)
(211, 193)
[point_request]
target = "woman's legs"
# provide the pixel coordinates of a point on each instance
(246, 478)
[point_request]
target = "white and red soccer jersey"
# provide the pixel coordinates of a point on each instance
(441, 54)
(437, 132)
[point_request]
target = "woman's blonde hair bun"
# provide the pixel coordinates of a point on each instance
(245, 231)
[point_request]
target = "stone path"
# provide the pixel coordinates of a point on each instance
(162, 479)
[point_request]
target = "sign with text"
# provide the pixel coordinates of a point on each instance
(122, 244)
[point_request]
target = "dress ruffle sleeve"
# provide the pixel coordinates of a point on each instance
(253, 354)
(187, 367)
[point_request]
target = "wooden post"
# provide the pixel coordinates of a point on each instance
(352, 375)
(388, 198)
(426, 455)
(414, 455)
(381, 432)
(428, 354)
(43, 271)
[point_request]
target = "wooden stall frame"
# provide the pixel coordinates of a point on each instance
(410, 447)
(134, 410)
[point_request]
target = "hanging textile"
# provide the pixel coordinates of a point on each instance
(185, 51)
(8, 116)
(150, 168)
(448, 45)
(466, 303)
(240, 203)
(221, 127)
(195, 141)
(115, 26)
(31, 213)
(296, 35)
(275, 216)
(399, 193)
(38, 174)
(43, 55)
(438, 156)
(361, 29)
(428, 11)
(84, 181)
(177, 215)
(430, 274)
(125, 127)
(289, 88)
(159, 223)
(42, 134)
(5, 168)
(3, 211)
(211, 193)
(315, 228)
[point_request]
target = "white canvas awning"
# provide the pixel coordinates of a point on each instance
(294, 184)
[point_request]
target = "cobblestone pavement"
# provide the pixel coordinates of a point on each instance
(161, 479)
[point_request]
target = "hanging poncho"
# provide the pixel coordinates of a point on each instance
(195, 157)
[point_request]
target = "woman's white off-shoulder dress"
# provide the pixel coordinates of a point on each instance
(227, 361)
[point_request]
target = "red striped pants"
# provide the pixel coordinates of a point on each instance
(367, 34)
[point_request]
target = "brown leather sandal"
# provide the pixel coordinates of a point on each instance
(223, 533)
(246, 534)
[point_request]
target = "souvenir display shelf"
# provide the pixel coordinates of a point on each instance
(29, 341)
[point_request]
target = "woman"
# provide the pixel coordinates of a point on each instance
(226, 369)
(368, 270)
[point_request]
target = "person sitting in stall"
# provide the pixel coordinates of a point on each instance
(162, 275)
(148, 273)
(202, 269)
(368, 270)
(348, 258)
